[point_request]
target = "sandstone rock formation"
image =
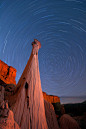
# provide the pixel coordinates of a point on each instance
(27, 102)
(7, 73)
(7, 122)
(67, 122)
(6, 115)
(50, 115)
(51, 98)
(9, 89)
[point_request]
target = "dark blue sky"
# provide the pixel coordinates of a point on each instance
(60, 26)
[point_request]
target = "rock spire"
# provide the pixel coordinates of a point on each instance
(27, 102)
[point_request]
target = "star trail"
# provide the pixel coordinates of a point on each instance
(60, 26)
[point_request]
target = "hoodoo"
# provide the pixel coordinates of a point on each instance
(27, 102)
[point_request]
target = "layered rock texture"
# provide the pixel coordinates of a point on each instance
(27, 102)
(51, 98)
(7, 74)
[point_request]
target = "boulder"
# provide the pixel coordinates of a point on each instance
(67, 122)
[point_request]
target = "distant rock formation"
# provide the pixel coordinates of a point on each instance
(51, 98)
(27, 102)
(67, 122)
(7, 74)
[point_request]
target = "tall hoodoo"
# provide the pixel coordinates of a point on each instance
(27, 103)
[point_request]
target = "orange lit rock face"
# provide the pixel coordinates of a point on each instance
(51, 98)
(7, 73)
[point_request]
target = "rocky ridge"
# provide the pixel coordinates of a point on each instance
(51, 98)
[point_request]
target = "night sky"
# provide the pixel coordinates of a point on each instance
(60, 26)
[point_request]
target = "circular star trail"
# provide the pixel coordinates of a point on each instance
(60, 26)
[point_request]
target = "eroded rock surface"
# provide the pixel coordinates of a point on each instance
(9, 89)
(50, 115)
(7, 122)
(6, 115)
